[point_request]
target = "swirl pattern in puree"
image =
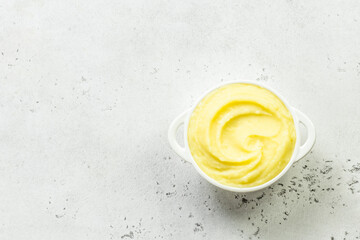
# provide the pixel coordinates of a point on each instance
(241, 135)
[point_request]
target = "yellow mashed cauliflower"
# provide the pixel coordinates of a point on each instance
(241, 135)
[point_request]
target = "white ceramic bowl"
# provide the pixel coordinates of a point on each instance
(299, 151)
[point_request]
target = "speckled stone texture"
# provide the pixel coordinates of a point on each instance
(88, 89)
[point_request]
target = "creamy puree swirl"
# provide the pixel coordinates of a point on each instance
(241, 135)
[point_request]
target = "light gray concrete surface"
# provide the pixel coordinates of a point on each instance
(88, 89)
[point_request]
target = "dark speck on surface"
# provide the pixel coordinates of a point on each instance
(198, 227)
(130, 235)
(257, 231)
(326, 170)
(353, 182)
(282, 192)
(170, 194)
(355, 168)
(261, 196)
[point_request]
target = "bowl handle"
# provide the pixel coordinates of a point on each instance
(309, 143)
(174, 126)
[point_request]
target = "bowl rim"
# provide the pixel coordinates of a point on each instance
(231, 188)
